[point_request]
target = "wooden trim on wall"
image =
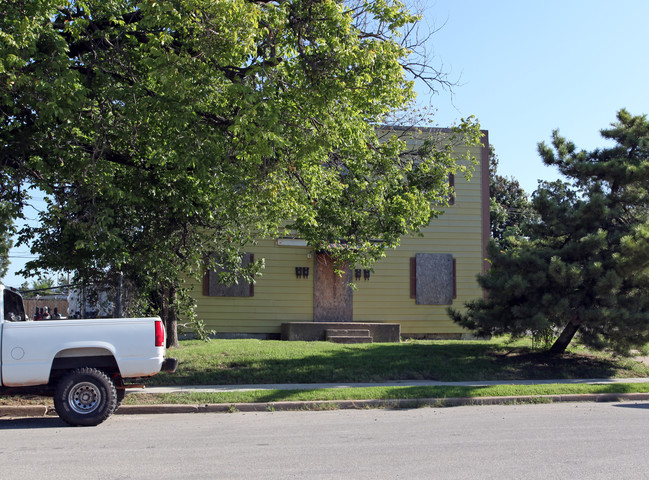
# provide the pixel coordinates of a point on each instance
(451, 183)
(413, 277)
(486, 223)
(252, 284)
(454, 278)
(206, 281)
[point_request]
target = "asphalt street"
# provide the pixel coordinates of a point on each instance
(548, 441)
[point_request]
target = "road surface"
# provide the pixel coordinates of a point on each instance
(549, 441)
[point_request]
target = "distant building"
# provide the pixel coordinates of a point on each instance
(90, 302)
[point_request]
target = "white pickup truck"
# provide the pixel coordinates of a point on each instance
(82, 363)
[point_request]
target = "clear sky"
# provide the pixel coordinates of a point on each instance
(525, 68)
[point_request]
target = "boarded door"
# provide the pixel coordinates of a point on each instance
(333, 299)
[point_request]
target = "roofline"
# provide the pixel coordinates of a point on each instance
(405, 128)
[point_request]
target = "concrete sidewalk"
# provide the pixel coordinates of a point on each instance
(272, 406)
(396, 383)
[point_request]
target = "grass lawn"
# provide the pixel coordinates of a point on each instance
(223, 362)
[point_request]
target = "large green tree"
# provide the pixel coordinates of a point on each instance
(162, 131)
(585, 267)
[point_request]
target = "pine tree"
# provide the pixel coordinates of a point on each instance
(585, 266)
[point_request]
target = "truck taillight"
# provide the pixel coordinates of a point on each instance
(159, 334)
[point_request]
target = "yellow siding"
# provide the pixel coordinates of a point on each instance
(281, 297)
(386, 296)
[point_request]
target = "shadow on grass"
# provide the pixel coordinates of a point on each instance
(395, 393)
(383, 362)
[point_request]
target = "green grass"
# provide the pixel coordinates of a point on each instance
(381, 393)
(223, 362)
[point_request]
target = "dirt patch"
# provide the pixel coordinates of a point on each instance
(641, 359)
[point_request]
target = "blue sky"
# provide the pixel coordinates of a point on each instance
(525, 68)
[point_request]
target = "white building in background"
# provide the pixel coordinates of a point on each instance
(89, 302)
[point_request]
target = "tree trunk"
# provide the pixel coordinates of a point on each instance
(568, 333)
(169, 315)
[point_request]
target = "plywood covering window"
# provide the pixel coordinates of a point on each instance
(212, 287)
(433, 278)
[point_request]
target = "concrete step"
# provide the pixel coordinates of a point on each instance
(348, 335)
(349, 339)
(346, 332)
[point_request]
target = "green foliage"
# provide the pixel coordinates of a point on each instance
(186, 306)
(543, 339)
(510, 208)
(586, 263)
(164, 131)
(42, 285)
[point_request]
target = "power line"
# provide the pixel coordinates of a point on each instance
(58, 287)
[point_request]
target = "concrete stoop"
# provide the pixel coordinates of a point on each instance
(345, 335)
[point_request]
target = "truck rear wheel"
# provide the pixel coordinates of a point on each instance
(85, 396)
(121, 393)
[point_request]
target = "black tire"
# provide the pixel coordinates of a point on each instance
(120, 388)
(121, 393)
(85, 397)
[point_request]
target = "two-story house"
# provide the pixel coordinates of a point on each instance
(410, 288)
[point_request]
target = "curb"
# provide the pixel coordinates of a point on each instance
(42, 410)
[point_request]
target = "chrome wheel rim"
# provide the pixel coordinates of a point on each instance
(84, 398)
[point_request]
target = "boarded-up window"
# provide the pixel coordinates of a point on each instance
(432, 279)
(212, 287)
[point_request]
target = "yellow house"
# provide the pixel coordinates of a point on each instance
(411, 287)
